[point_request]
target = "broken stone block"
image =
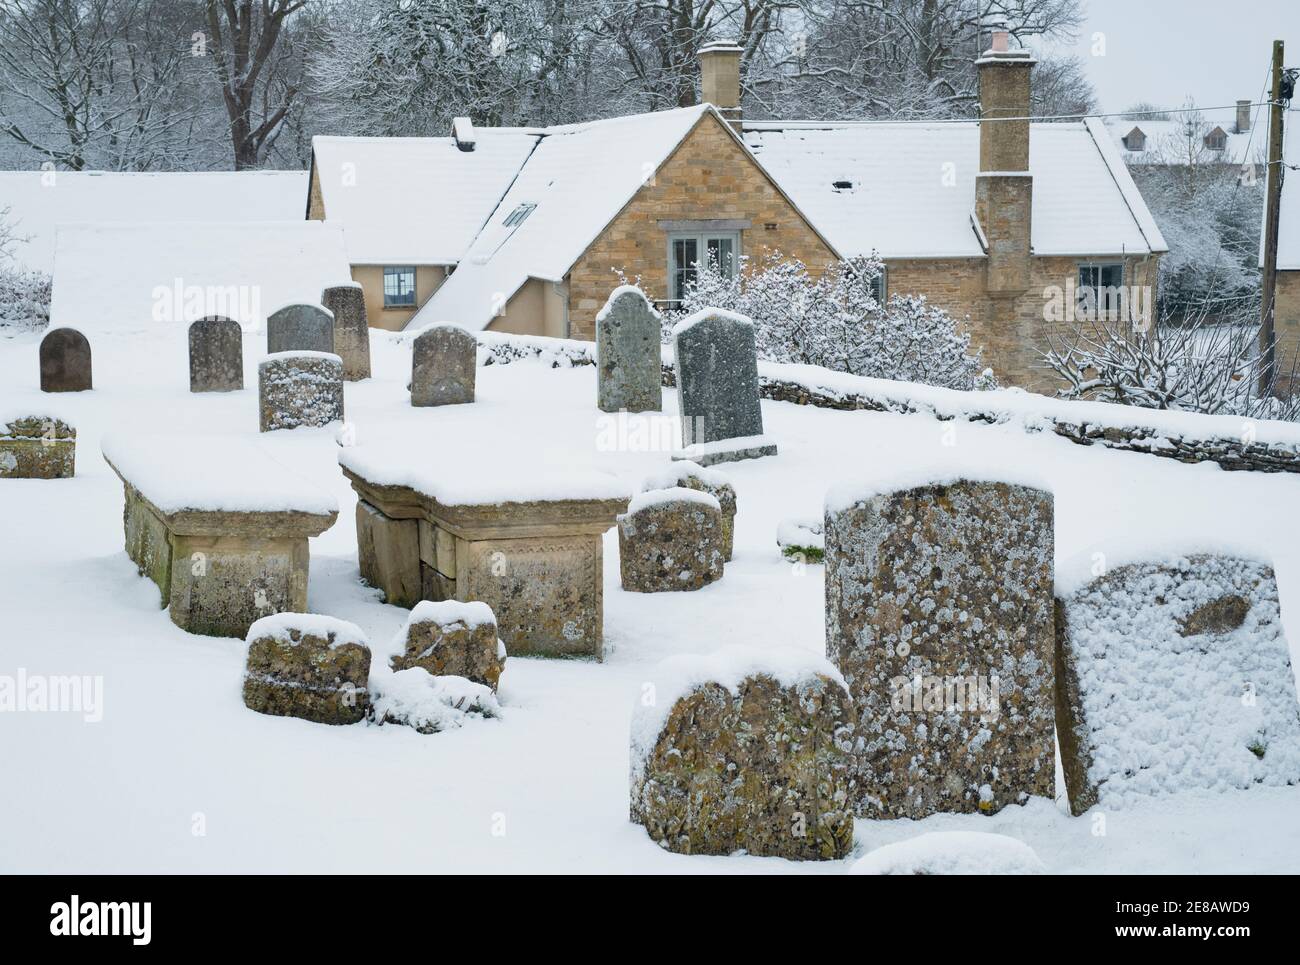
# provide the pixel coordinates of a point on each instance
(629, 367)
(37, 447)
(300, 389)
(452, 638)
(308, 666)
(745, 750)
(1173, 675)
(670, 539)
(939, 615)
(716, 484)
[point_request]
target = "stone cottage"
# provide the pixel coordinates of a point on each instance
(524, 230)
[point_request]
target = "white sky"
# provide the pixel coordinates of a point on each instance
(1164, 51)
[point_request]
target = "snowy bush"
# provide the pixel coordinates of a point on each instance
(24, 300)
(834, 320)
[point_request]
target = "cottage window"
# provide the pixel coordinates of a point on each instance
(1101, 289)
(687, 251)
(399, 287)
(879, 288)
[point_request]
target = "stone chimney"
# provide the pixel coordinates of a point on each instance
(1004, 187)
(1243, 116)
(720, 79)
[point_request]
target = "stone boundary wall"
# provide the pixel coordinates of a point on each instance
(1229, 452)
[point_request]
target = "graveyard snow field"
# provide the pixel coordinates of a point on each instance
(544, 788)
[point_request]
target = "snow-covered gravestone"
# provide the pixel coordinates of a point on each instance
(443, 362)
(452, 638)
(300, 389)
(670, 539)
(308, 666)
(216, 355)
(629, 371)
(37, 447)
(1173, 675)
(716, 363)
(682, 472)
(65, 361)
(347, 303)
(745, 750)
(300, 328)
(939, 614)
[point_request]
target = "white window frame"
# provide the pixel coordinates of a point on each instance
(701, 238)
(1100, 266)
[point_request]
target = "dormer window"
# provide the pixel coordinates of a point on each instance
(1135, 140)
(1217, 139)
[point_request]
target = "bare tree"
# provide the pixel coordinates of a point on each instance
(258, 85)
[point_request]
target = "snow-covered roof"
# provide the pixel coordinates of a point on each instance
(133, 277)
(1288, 239)
(416, 200)
(907, 189)
(39, 201)
(1167, 142)
(576, 180)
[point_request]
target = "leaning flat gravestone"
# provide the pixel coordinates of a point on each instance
(1174, 675)
(300, 328)
(216, 355)
(442, 366)
(745, 750)
(351, 329)
(65, 361)
(629, 370)
(939, 615)
(717, 388)
(300, 389)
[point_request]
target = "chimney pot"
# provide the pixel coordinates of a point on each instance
(1001, 41)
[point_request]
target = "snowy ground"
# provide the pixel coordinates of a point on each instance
(545, 787)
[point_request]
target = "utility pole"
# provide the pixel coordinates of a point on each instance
(1273, 187)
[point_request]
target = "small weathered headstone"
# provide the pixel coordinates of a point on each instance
(939, 615)
(692, 476)
(216, 355)
(37, 447)
(670, 539)
(452, 638)
(629, 370)
(300, 389)
(716, 362)
(443, 363)
(65, 361)
(744, 750)
(1174, 675)
(417, 699)
(300, 328)
(351, 329)
(308, 666)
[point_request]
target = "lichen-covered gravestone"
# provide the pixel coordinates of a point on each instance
(939, 615)
(300, 389)
(670, 539)
(65, 361)
(1174, 675)
(685, 473)
(308, 666)
(748, 751)
(443, 363)
(216, 355)
(37, 447)
(300, 328)
(629, 370)
(453, 638)
(417, 699)
(716, 365)
(351, 329)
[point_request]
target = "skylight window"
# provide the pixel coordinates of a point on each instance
(516, 217)
(842, 185)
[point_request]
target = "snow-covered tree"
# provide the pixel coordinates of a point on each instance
(834, 320)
